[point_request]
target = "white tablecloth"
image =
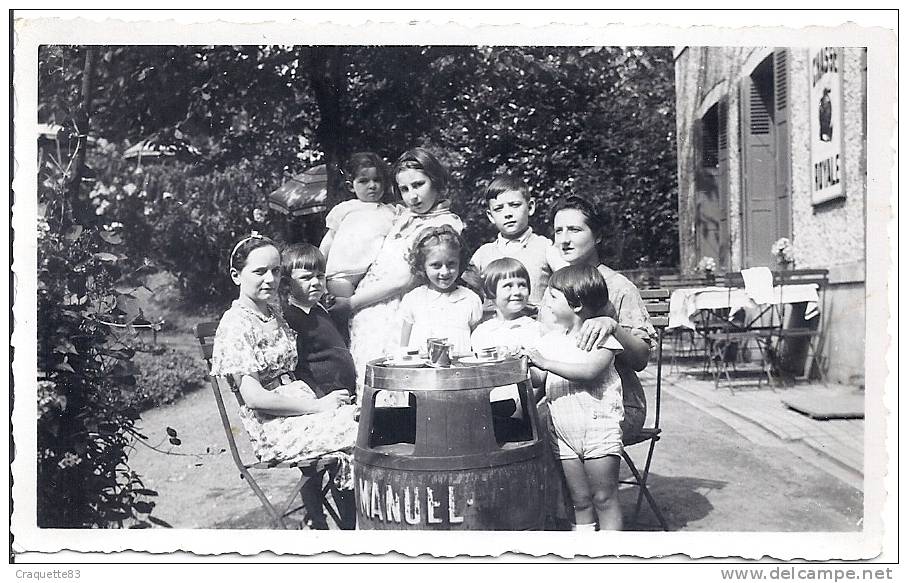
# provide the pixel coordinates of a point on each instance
(686, 302)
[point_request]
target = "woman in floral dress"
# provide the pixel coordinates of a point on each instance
(253, 344)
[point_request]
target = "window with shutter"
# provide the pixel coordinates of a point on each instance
(782, 142)
(760, 119)
(708, 207)
(709, 138)
(724, 258)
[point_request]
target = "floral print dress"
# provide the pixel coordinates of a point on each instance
(246, 343)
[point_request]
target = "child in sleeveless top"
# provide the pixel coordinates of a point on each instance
(583, 390)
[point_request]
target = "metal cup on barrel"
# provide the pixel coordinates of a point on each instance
(439, 352)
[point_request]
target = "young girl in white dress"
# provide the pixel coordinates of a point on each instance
(441, 307)
(253, 344)
(358, 227)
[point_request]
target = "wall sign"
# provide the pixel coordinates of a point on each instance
(826, 121)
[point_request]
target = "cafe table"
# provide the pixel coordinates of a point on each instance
(711, 310)
(686, 303)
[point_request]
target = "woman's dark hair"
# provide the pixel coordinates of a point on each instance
(504, 268)
(594, 219)
(244, 247)
(362, 160)
(433, 237)
(582, 285)
(423, 160)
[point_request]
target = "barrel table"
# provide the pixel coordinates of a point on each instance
(447, 461)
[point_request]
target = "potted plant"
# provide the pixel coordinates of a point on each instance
(707, 266)
(783, 251)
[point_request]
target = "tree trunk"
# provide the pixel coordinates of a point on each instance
(73, 205)
(326, 74)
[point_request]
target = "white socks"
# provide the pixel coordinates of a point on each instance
(585, 527)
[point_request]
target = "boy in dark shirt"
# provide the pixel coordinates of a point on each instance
(323, 360)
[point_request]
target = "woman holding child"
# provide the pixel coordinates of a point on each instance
(375, 326)
(578, 233)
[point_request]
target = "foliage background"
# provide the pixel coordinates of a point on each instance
(591, 120)
(239, 120)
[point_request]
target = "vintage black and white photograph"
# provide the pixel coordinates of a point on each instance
(552, 286)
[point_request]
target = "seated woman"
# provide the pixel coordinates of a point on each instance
(285, 420)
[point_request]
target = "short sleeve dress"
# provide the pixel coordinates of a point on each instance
(245, 343)
(375, 330)
(434, 314)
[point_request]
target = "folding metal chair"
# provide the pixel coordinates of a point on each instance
(793, 327)
(656, 301)
(738, 334)
(323, 468)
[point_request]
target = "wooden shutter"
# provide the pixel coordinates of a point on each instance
(707, 210)
(781, 78)
(723, 178)
(760, 222)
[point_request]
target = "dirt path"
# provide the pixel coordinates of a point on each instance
(198, 484)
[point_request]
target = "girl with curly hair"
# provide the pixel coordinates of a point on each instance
(441, 307)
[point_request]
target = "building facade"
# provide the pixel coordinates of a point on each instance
(772, 144)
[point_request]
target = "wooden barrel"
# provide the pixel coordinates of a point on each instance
(450, 460)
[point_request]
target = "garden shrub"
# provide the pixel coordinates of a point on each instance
(181, 216)
(85, 427)
(164, 375)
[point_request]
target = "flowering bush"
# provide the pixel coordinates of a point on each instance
(783, 251)
(707, 265)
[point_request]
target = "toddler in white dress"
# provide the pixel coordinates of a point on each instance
(358, 227)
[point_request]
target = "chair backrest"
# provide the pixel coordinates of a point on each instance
(205, 332)
(820, 277)
(673, 281)
(657, 304)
